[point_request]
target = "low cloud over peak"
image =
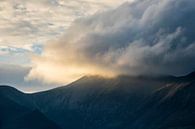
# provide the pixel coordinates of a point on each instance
(143, 37)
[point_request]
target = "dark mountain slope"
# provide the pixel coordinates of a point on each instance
(17, 96)
(30, 120)
(93, 102)
(96, 102)
(14, 115)
(171, 107)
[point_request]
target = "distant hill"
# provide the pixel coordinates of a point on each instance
(94, 102)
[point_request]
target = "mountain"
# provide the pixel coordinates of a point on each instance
(15, 115)
(124, 102)
(97, 101)
(170, 107)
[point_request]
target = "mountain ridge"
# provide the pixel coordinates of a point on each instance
(95, 102)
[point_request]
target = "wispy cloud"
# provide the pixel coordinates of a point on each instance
(26, 22)
(19, 55)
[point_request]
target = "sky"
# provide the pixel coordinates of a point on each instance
(48, 43)
(27, 25)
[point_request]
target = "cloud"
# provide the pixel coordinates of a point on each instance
(14, 75)
(19, 55)
(143, 37)
(24, 24)
(41, 20)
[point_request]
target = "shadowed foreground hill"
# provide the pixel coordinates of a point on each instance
(15, 115)
(120, 103)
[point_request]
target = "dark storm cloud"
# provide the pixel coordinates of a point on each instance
(143, 37)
